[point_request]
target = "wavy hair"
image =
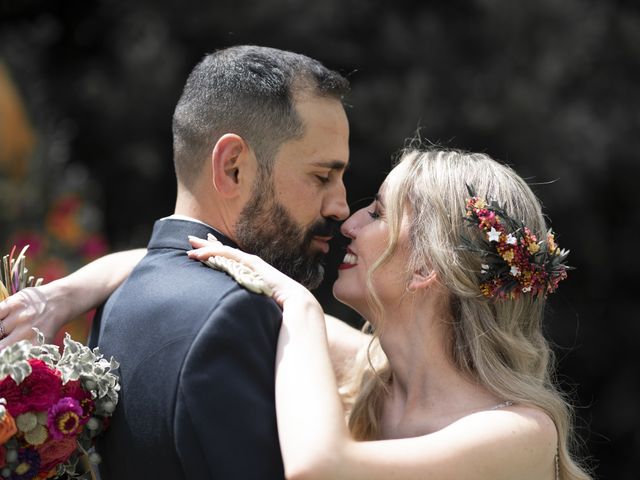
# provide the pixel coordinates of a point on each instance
(499, 343)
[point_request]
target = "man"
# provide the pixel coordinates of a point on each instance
(260, 148)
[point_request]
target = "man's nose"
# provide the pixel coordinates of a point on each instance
(336, 206)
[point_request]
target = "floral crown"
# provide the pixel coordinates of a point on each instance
(514, 261)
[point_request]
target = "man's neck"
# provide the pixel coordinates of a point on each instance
(188, 207)
(177, 216)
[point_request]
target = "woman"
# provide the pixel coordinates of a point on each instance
(457, 380)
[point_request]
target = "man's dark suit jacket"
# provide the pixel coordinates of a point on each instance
(197, 359)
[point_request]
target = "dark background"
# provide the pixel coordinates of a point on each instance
(549, 87)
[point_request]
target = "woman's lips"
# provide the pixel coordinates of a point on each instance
(350, 260)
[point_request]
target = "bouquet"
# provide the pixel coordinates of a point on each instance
(52, 405)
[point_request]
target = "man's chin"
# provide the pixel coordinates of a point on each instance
(311, 276)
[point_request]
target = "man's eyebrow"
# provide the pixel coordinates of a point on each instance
(333, 164)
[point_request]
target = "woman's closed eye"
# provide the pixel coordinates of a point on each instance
(373, 214)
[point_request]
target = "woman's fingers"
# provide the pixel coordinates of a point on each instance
(23, 311)
(211, 248)
(205, 249)
(13, 320)
(197, 242)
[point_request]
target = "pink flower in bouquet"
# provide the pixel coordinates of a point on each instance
(64, 418)
(36, 393)
(74, 390)
(54, 452)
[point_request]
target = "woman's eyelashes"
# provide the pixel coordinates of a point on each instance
(375, 213)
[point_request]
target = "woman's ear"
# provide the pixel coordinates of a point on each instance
(421, 279)
(229, 157)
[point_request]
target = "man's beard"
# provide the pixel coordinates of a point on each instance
(265, 228)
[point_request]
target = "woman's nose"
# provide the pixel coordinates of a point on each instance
(347, 228)
(350, 226)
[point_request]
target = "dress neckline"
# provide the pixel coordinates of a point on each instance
(505, 404)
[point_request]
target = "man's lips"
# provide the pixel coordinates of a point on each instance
(323, 243)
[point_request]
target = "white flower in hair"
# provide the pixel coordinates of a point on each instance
(494, 235)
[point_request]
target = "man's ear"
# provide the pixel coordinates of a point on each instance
(422, 279)
(230, 155)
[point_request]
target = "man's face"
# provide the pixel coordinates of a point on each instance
(292, 216)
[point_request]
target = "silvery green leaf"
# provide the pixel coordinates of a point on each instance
(49, 354)
(113, 364)
(70, 467)
(13, 361)
(39, 336)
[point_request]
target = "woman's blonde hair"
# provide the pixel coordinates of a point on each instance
(499, 343)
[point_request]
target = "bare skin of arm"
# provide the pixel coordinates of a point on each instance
(50, 306)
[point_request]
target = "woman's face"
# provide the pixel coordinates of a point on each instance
(368, 230)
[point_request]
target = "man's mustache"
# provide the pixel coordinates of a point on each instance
(326, 227)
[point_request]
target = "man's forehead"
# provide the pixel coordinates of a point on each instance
(325, 141)
(309, 154)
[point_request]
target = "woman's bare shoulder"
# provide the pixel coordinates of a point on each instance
(498, 444)
(520, 437)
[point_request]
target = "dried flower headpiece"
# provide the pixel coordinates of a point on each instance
(514, 261)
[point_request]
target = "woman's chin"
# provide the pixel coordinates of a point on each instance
(347, 297)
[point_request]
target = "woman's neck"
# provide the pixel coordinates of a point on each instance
(427, 391)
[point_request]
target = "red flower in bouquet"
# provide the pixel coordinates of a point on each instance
(54, 452)
(36, 393)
